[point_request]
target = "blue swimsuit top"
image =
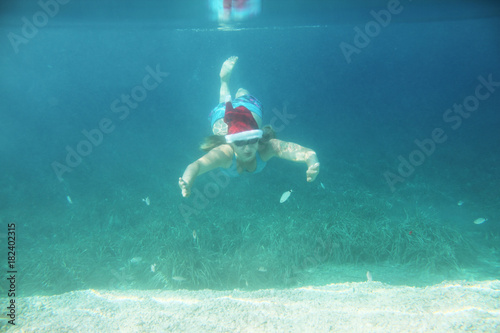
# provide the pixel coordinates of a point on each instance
(232, 171)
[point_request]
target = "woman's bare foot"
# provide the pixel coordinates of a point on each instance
(225, 75)
(227, 68)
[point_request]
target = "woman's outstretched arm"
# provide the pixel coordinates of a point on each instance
(220, 156)
(294, 152)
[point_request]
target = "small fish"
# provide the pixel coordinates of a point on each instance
(322, 186)
(135, 260)
(178, 278)
(369, 277)
(262, 269)
(153, 268)
(195, 235)
(480, 220)
(460, 203)
(68, 198)
(285, 196)
(146, 201)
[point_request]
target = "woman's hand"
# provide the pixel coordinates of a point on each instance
(185, 187)
(312, 172)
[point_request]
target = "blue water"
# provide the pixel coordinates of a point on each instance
(403, 173)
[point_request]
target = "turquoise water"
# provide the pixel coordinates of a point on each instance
(404, 172)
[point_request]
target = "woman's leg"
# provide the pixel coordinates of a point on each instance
(225, 76)
(242, 92)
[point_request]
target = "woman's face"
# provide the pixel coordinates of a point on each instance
(245, 150)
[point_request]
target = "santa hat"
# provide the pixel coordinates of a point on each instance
(241, 124)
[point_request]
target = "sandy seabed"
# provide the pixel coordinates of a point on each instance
(348, 307)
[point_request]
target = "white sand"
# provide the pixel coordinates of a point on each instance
(350, 307)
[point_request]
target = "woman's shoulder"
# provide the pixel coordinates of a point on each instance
(272, 144)
(224, 149)
(267, 150)
(220, 156)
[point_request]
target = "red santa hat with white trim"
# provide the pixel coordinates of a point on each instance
(241, 124)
